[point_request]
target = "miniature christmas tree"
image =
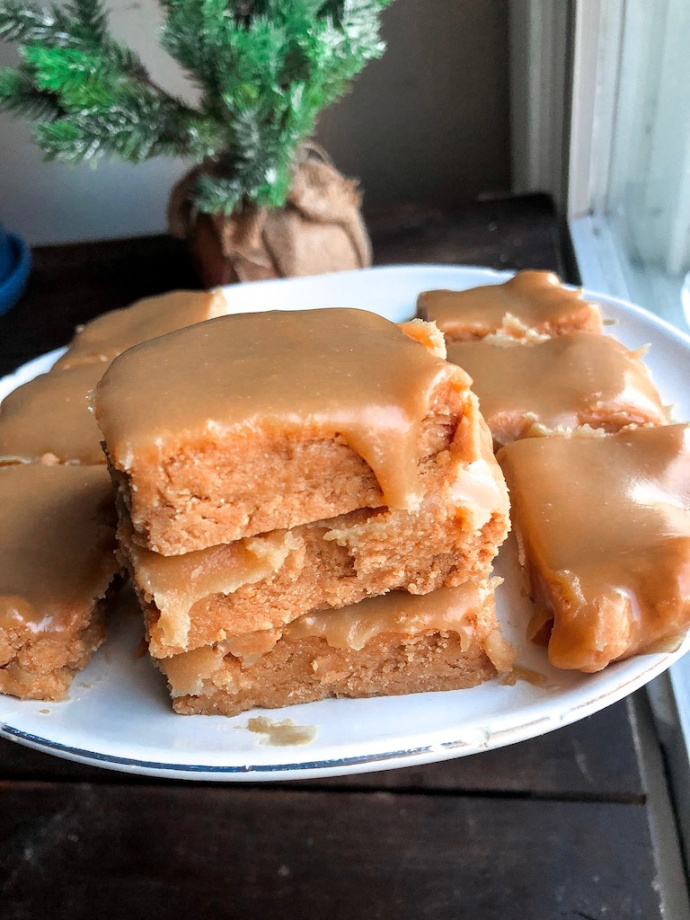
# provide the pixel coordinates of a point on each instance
(264, 69)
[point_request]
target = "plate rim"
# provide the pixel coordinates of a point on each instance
(364, 763)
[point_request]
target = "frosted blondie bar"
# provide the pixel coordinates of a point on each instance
(399, 643)
(109, 335)
(257, 422)
(49, 419)
(603, 528)
(563, 382)
(530, 304)
(57, 564)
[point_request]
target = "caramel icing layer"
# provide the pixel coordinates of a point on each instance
(603, 526)
(57, 543)
(112, 333)
(566, 381)
(462, 496)
(50, 418)
(336, 372)
(176, 583)
(530, 300)
(397, 612)
(462, 610)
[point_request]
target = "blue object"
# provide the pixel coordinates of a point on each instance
(5, 254)
(15, 263)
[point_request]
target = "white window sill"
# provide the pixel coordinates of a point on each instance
(604, 267)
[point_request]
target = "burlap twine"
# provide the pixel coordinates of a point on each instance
(319, 229)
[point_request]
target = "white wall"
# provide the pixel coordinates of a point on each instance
(54, 202)
(427, 122)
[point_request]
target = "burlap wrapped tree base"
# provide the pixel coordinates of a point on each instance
(319, 229)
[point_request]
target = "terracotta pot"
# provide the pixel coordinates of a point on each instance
(319, 229)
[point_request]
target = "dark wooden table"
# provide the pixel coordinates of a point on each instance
(557, 827)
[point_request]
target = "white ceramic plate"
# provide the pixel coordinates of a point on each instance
(118, 714)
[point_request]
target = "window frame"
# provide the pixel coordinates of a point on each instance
(566, 63)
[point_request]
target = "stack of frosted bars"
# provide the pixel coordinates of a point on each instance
(308, 506)
(58, 568)
(599, 480)
(538, 360)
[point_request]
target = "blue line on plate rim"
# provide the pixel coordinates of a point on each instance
(43, 744)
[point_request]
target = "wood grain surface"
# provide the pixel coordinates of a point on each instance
(79, 851)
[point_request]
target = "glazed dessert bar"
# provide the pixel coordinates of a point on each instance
(49, 419)
(399, 643)
(57, 563)
(257, 422)
(563, 382)
(109, 335)
(296, 415)
(603, 528)
(530, 304)
(266, 581)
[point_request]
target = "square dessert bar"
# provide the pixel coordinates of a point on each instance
(530, 304)
(49, 419)
(575, 379)
(266, 581)
(109, 335)
(395, 644)
(257, 422)
(603, 529)
(57, 564)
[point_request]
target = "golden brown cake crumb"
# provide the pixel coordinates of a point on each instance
(57, 561)
(266, 581)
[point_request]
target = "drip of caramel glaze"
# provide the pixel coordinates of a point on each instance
(467, 611)
(604, 530)
(530, 300)
(333, 372)
(397, 612)
(51, 416)
(520, 672)
(57, 543)
(281, 734)
(176, 583)
(566, 381)
(109, 335)
(352, 627)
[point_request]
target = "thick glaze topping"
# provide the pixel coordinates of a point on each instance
(466, 611)
(604, 528)
(112, 333)
(314, 373)
(396, 612)
(50, 419)
(528, 301)
(176, 583)
(566, 381)
(57, 543)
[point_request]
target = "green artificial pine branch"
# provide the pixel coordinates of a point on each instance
(19, 95)
(265, 70)
(20, 22)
